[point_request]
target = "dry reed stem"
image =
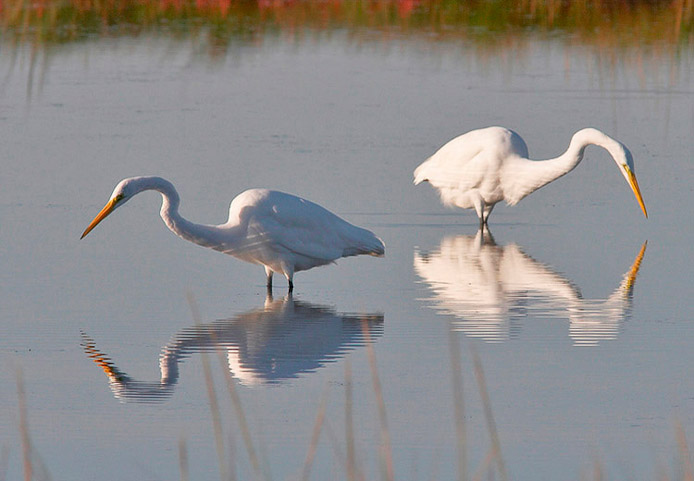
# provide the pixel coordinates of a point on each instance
(349, 425)
(24, 428)
(4, 461)
(485, 465)
(183, 459)
(489, 415)
(386, 449)
(315, 435)
(216, 417)
(597, 471)
(243, 423)
(334, 444)
(458, 405)
(212, 396)
(349, 466)
(238, 408)
(688, 474)
(31, 462)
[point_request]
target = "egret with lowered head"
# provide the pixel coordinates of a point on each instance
(482, 167)
(284, 233)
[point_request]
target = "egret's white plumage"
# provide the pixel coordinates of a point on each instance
(283, 232)
(485, 166)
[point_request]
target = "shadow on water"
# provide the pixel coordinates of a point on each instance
(269, 345)
(489, 288)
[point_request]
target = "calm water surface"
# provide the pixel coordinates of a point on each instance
(578, 308)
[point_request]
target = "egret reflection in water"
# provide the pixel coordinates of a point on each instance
(490, 287)
(277, 342)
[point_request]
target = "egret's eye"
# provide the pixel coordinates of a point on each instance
(118, 198)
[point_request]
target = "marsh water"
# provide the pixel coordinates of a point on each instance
(577, 308)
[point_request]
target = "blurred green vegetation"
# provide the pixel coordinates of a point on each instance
(661, 25)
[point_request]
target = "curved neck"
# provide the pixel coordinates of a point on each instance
(531, 175)
(567, 161)
(197, 233)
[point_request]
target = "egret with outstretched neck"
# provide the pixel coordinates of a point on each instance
(483, 167)
(282, 232)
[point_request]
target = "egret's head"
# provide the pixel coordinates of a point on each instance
(121, 194)
(625, 162)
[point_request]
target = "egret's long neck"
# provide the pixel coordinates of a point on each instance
(530, 175)
(203, 235)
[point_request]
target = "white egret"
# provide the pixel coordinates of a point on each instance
(284, 233)
(485, 166)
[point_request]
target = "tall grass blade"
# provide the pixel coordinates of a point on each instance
(236, 402)
(212, 396)
(4, 461)
(243, 423)
(489, 416)
(315, 435)
(183, 459)
(31, 462)
(24, 428)
(685, 455)
(349, 425)
(598, 474)
(458, 405)
(386, 449)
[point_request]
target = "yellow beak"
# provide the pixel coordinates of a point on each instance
(108, 208)
(630, 278)
(635, 187)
